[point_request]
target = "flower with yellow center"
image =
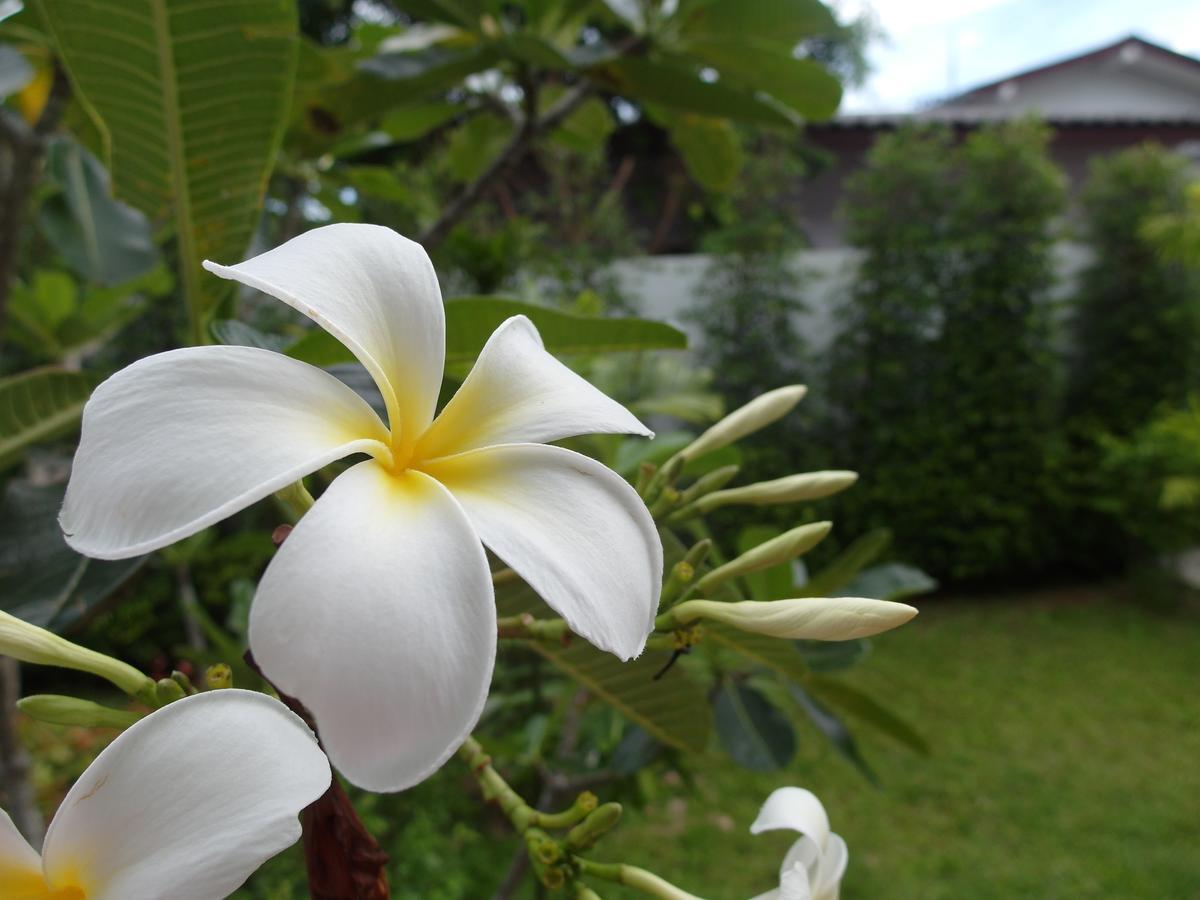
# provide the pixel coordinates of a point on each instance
(378, 611)
(185, 805)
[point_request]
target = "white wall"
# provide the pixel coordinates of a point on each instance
(670, 287)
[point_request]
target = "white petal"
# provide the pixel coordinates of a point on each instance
(803, 854)
(832, 868)
(797, 809)
(517, 392)
(794, 884)
(188, 802)
(377, 293)
(178, 441)
(378, 614)
(573, 529)
(20, 865)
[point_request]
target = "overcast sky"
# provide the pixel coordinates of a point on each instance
(931, 48)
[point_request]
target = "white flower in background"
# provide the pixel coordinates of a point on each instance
(185, 804)
(814, 866)
(378, 611)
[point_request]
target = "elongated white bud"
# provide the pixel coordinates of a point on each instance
(790, 489)
(781, 549)
(810, 618)
(757, 414)
(31, 644)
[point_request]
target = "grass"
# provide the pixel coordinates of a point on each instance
(1066, 733)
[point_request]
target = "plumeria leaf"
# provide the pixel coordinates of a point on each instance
(191, 116)
(470, 321)
(42, 580)
(834, 577)
(833, 656)
(752, 730)
(779, 656)
(850, 699)
(891, 581)
(672, 710)
(835, 730)
(38, 406)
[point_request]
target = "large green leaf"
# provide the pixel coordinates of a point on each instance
(37, 406)
(42, 580)
(780, 656)
(680, 88)
(710, 149)
(752, 730)
(867, 709)
(104, 240)
(672, 709)
(843, 569)
(470, 321)
(782, 23)
(891, 581)
(802, 84)
(834, 730)
(191, 98)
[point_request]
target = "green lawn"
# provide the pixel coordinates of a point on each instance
(1066, 731)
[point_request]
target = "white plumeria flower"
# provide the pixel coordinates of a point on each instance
(184, 805)
(814, 866)
(378, 611)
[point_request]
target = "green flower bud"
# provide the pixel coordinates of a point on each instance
(810, 618)
(755, 415)
(218, 677)
(31, 644)
(781, 549)
(168, 690)
(598, 823)
(790, 489)
(58, 710)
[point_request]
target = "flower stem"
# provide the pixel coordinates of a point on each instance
(632, 876)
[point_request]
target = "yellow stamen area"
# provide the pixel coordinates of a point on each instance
(26, 884)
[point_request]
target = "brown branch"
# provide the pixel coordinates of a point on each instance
(26, 147)
(343, 859)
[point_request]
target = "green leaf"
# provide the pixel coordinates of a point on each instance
(869, 710)
(780, 656)
(782, 23)
(42, 580)
(410, 123)
(833, 656)
(842, 570)
(102, 239)
(37, 406)
(753, 731)
(587, 129)
(835, 731)
(191, 98)
(804, 85)
(470, 321)
(679, 88)
(891, 581)
(475, 144)
(710, 149)
(773, 583)
(536, 51)
(672, 709)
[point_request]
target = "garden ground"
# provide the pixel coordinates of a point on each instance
(1066, 734)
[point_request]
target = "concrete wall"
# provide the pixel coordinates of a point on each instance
(670, 288)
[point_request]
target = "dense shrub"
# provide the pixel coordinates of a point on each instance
(943, 384)
(1137, 328)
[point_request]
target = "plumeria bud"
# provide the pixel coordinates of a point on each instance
(58, 710)
(598, 823)
(810, 618)
(709, 482)
(168, 690)
(790, 489)
(218, 677)
(31, 644)
(781, 549)
(755, 415)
